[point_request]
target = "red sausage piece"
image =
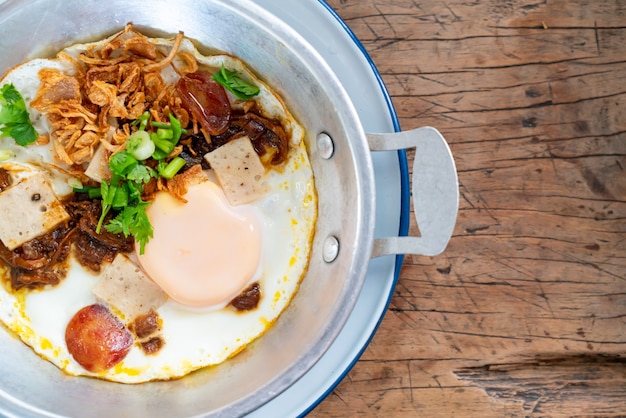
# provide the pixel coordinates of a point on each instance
(206, 100)
(96, 339)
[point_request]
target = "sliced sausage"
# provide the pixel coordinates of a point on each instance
(96, 339)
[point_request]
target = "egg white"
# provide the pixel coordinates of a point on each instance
(193, 338)
(38, 157)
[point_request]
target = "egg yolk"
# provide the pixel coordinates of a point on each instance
(204, 252)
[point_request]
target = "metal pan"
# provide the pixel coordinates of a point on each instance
(344, 241)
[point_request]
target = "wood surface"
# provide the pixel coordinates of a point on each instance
(524, 314)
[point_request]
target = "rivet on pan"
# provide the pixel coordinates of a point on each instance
(331, 249)
(325, 146)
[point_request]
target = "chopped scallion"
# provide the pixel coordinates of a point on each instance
(92, 192)
(120, 199)
(139, 145)
(163, 133)
(162, 144)
(170, 169)
(142, 121)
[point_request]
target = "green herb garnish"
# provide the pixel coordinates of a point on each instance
(140, 145)
(235, 84)
(123, 193)
(133, 220)
(14, 117)
(91, 191)
(129, 175)
(170, 169)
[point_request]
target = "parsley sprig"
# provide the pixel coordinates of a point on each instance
(235, 84)
(14, 117)
(123, 193)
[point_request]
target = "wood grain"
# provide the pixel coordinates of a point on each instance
(524, 314)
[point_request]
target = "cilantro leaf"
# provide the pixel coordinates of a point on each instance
(235, 84)
(123, 194)
(133, 220)
(134, 191)
(14, 117)
(107, 193)
(141, 173)
(120, 224)
(141, 227)
(23, 133)
(122, 163)
(11, 96)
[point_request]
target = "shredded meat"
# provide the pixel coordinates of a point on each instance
(152, 346)
(33, 279)
(194, 149)
(88, 213)
(43, 260)
(145, 325)
(5, 179)
(248, 299)
(40, 261)
(267, 136)
(91, 253)
(92, 248)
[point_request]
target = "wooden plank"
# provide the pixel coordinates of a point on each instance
(527, 47)
(556, 386)
(524, 314)
(409, 19)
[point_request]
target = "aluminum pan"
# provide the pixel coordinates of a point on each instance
(31, 387)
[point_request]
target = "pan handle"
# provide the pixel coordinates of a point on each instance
(435, 191)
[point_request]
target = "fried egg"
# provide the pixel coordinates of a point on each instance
(203, 254)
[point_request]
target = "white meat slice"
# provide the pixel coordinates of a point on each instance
(29, 209)
(239, 171)
(127, 288)
(98, 168)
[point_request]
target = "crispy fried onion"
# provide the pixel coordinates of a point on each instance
(113, 84)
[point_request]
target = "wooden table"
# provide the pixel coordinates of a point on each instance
(524, 314)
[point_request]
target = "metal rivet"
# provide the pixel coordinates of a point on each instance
(331, 249)
(325, 146)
